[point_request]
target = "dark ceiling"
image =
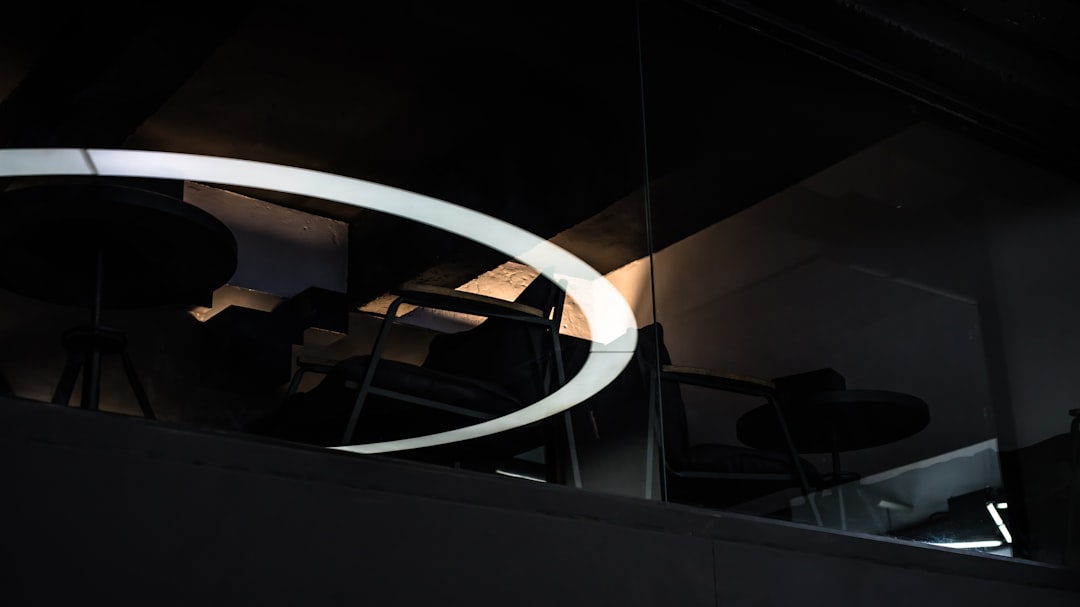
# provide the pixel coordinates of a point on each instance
(534, 113)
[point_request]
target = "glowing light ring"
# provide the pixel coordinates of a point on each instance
(610, 318)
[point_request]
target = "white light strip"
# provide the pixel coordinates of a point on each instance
(976, 544)
(521, 476)
(1002, 505)
(986, 448)
(1000, 523)
(1005, 533)
(611, 321)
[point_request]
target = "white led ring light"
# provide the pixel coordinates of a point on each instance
(611, 321)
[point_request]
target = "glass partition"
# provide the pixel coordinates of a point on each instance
(900, 291)
(789, 291)
(499, 154)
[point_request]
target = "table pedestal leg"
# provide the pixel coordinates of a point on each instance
(91, 389)
(85, 348)
(92, 371)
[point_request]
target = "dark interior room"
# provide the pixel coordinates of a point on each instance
(664, 301)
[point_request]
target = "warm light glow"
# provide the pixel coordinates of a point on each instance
(230, 295)
(611, 321)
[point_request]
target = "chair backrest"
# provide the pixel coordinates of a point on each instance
(513, 355)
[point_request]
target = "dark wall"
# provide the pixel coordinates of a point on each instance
(100, 507)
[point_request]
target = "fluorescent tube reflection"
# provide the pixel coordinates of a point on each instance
(999, 522)
(966, 545)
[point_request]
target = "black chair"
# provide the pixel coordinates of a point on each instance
(511, 359)
(712, 474)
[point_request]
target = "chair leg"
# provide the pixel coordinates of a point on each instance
(560, 375)
(354, 417)
(571, 445)
(294, 385)
(136, 386)
(794, 455)
(369, 375)
(654, 434)
(66, 385)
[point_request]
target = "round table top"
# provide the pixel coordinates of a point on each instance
(859, 419)
(156, 249)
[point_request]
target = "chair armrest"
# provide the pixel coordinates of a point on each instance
(709, 378)
(443, 298)
(312, 363)
(304, 365)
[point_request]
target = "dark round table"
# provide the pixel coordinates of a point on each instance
(100, 245)
(836, 421)
(154, 249)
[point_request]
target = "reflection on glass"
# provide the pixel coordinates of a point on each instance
(906, 293)
(842, 312)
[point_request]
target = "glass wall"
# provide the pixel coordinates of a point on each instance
(522, 125)
(902, 292)
(804, 296)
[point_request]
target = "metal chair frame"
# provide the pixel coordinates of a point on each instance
(737, 384)
(451, 300)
